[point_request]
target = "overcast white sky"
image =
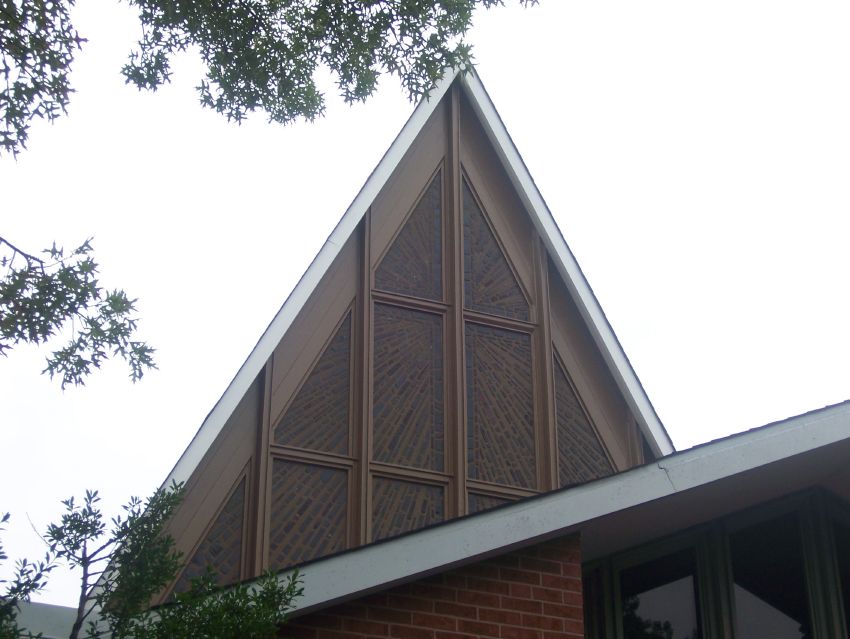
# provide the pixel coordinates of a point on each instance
(696, 156)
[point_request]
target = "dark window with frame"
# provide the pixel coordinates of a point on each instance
(757, 577)
(769, 581)
(658, 599)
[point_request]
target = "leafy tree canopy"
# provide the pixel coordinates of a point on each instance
(126, 563)
(42, 297)
(259, 54)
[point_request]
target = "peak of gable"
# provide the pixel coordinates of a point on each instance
(442, 354)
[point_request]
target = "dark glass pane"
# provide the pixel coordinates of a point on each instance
(399, 506)
(500, 406)
(408, 388)
(659, 599)
(842, 550)
(489, 283)
(308, 512)
(769, 581)
(580, 455)
(222, 547)
(477, 502)
(412, 266)
(318, 416)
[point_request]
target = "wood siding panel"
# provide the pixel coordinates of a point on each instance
(318, 417)
(408, 182)
(212, 481)
(594, 384)
(413, 265)
(221, 548)
(313, 328)
(581, 457)
(498, 198)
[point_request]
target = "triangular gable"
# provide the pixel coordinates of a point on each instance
(442, 355)
(562, 259)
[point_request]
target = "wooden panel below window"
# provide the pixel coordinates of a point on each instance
(309, 509)
(400, 506)
(478, 502)
(222, 547)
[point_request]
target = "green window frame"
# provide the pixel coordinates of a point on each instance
(816, 512)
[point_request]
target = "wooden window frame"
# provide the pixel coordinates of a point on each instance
(815, 511)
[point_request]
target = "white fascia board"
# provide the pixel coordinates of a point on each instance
(600, 329)
(380, 565)
(240, 384)
(726, 457)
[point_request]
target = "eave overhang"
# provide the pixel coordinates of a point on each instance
(611, 514)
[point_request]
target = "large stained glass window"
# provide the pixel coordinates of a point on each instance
(413, 264)
(222, 547)
(489, 284)
(500, 406)
(581, 457)
(407, 410)
(317, 418)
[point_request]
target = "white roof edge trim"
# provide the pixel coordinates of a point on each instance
(588, 305)
(223, 409)
(441, 547)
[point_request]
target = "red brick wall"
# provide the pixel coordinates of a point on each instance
(534, 593)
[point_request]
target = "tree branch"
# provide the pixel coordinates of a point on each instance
(18, 251)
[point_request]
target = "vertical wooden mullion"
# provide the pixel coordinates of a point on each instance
(362, 497)
(715, 584)
(823, 581)
(260, 512)
(454, 254)
(545, 430)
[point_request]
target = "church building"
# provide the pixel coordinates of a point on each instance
(441, 431)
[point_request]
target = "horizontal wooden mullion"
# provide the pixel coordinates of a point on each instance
(311, 457)
(405, 473)
(498, 490)
(414, 303)
(499, 322)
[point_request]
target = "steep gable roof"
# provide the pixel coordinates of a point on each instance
(562, 259)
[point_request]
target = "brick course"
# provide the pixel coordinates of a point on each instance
(533, 593)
